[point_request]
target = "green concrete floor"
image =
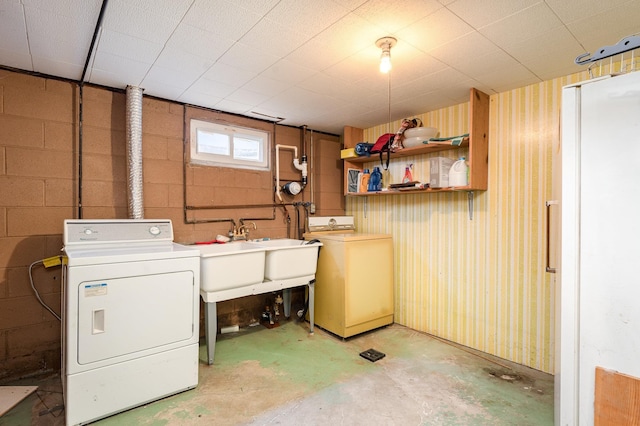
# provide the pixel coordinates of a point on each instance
(284, 376)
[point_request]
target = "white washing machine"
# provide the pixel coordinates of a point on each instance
(130, 316)
(354, 278)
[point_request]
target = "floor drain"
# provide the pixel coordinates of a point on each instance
(372, 355)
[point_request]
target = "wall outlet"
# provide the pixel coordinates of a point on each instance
(312, 208)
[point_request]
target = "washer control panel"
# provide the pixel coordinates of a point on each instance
(331, 223)
(121, 231)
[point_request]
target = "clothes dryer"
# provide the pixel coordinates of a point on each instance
(130, 316)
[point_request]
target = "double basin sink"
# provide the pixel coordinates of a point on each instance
(243, 263)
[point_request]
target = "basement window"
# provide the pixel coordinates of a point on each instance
(224, 145)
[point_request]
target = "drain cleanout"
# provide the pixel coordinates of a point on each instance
(372, 355)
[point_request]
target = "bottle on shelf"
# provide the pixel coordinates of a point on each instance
(408, 176)
(375, 180)
(459, 173)
(364, 184)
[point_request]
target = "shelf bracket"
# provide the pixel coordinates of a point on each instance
(470, 196)
(628, 43)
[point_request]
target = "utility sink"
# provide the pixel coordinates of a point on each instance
(225, 266)
(288, 258)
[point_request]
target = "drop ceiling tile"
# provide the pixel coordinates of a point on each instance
(247, 97)
(52, 27)
(467, 52)
(575, 10)
(220, 17)
(410, 63)
(306, 17)
(350, 4)
(58, 51)
(233, 106)
(351, 69)
(13, 31)
(489, 63)
(107, 79)
(210, 87)
(63, 69)
(333, 87)
(172, 9)
(623, 21)
(266, 86)
(481, 13)
(168, 76)
(295, 100)
(227, 74)
(288, 72)
(528, 23)
(161, 89)
(508, 78)
(344, 38)
(248, 58)
(259, 7)
(199, 98)
(199, 42)
(274, 38)
(81, 9)
(127, 46)
(15, 59)
(448, 77)
(557, 45)
(189, 67)
(549, 68)
(128, 18)
(393, 15)
(439, 28)
(131, 71)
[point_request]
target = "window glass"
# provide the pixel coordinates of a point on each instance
(228, 146)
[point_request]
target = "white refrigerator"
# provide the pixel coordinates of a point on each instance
(598, 291)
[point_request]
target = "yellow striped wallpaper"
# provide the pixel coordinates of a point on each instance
(479, 282)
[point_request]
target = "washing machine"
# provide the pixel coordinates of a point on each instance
(130, 317)
(354, 277)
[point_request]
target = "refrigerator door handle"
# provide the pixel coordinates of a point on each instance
(548, 267)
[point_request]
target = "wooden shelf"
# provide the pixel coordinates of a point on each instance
(414, 150)
(477, 156)
(412, 191)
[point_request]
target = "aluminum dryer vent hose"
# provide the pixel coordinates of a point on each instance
(134, 152)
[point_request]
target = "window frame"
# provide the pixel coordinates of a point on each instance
(230, 130)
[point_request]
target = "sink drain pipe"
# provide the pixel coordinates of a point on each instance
(134, 152)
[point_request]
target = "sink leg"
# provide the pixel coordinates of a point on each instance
(286, 302)
(210, 329)
(312, 292)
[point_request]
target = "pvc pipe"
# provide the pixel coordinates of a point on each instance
(295, 163)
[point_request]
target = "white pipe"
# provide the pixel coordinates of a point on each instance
(312, 169)
(295, 163)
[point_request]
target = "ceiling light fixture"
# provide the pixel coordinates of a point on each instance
(386, 43)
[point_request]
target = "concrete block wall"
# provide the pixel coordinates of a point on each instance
(39, 166)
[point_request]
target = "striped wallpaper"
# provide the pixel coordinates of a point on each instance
(480, 282)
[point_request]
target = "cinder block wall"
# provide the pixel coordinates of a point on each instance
(39, 169)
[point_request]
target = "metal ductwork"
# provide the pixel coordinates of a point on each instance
(134, 152)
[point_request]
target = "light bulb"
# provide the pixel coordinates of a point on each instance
(385, 62)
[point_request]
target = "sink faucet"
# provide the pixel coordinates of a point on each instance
(242, 231)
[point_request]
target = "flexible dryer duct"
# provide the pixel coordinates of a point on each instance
(134, 152)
